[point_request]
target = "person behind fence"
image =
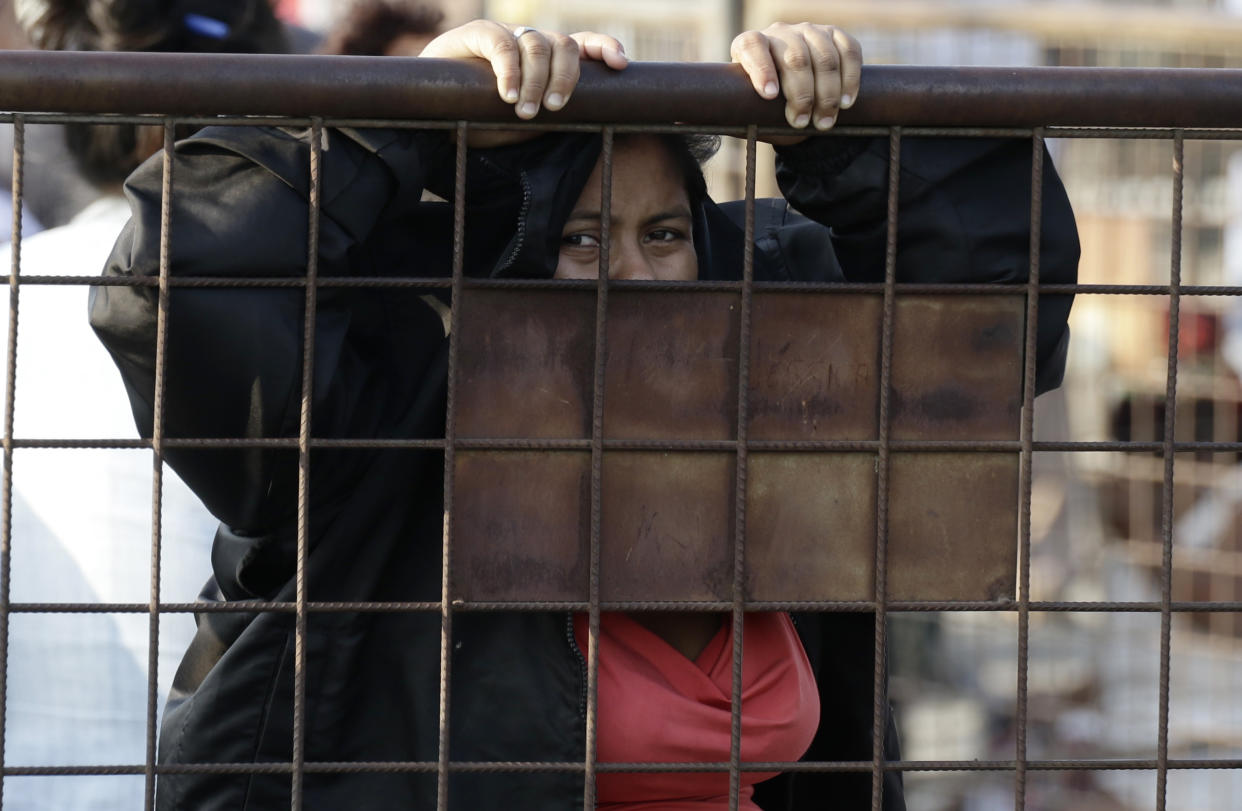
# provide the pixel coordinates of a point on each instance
(518, 679)
(384, 28)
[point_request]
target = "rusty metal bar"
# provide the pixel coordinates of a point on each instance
(570, 767)
(806, 445)
(894, 606)
(943, 288)
(542, 125)
(740, 469)
(879, 718)
(598, 386)
(445, 605)
(704, 93)
(10, 394)
(938, 288)
(555, 767)
(157, 464)
(1025, 478)
(316, 134)
(1166, 506)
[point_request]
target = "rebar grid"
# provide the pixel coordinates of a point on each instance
(881, 606)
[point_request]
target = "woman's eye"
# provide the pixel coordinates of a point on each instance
(580, 241)
(664, 235)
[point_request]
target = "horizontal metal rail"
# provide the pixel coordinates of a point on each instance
(653, 92)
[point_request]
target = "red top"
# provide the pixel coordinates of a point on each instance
(656, 705)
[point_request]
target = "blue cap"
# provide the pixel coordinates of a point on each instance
(206, 26)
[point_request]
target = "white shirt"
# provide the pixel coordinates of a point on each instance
(77, 683)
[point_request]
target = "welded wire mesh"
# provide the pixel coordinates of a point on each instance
(740, 449)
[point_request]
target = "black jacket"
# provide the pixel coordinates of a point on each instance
(233, 370)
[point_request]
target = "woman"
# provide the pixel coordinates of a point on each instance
(518, 683)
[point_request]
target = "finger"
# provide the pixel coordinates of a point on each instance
(563, 72)
(793, 63)
(601, 48)
(851, 66)
(751, 50)
(498, 47)
(536, 56)
(826, 63)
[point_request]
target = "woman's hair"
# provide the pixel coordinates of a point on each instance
(370, 27)
(106, 154)
(689, 153)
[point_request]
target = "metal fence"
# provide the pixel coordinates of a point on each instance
(1171, 106)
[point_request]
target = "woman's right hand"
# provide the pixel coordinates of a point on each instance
(533, 68)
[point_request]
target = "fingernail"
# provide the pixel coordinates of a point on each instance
(771, 89)
(555, 101)
(826, 122)
(614, 52)
(847, 100)
(511, 95)
(802, 120)
(528, 109)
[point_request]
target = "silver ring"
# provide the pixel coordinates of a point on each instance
(522, 30)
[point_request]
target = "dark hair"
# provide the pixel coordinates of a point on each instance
(370, 27)
(106, 154)
(689, 153)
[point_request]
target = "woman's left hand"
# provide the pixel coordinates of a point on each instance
(816, 67)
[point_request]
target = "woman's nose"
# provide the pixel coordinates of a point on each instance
(628, 262)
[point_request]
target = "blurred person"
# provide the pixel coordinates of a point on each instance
(384, 28)
(82, 519)
(52, 192)
(376, 517)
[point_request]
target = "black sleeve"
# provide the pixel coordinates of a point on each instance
(234, 353)
(963, 216)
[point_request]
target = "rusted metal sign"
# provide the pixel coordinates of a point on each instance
(522, 514)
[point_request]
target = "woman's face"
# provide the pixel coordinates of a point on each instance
(651, 237)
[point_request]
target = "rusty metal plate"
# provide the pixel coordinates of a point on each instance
(953, 526)
(525, 364)
(523, 517)
(957, 367)
(521, 525)
(814, 366)
(667, 526)
(671, 370)
(810, 521)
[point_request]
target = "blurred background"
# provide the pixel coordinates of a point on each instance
(1096, 529)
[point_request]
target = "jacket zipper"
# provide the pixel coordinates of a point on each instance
(582, 665)
(520, 232)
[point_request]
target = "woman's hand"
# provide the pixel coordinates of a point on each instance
(816, 67)
(533, 68)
